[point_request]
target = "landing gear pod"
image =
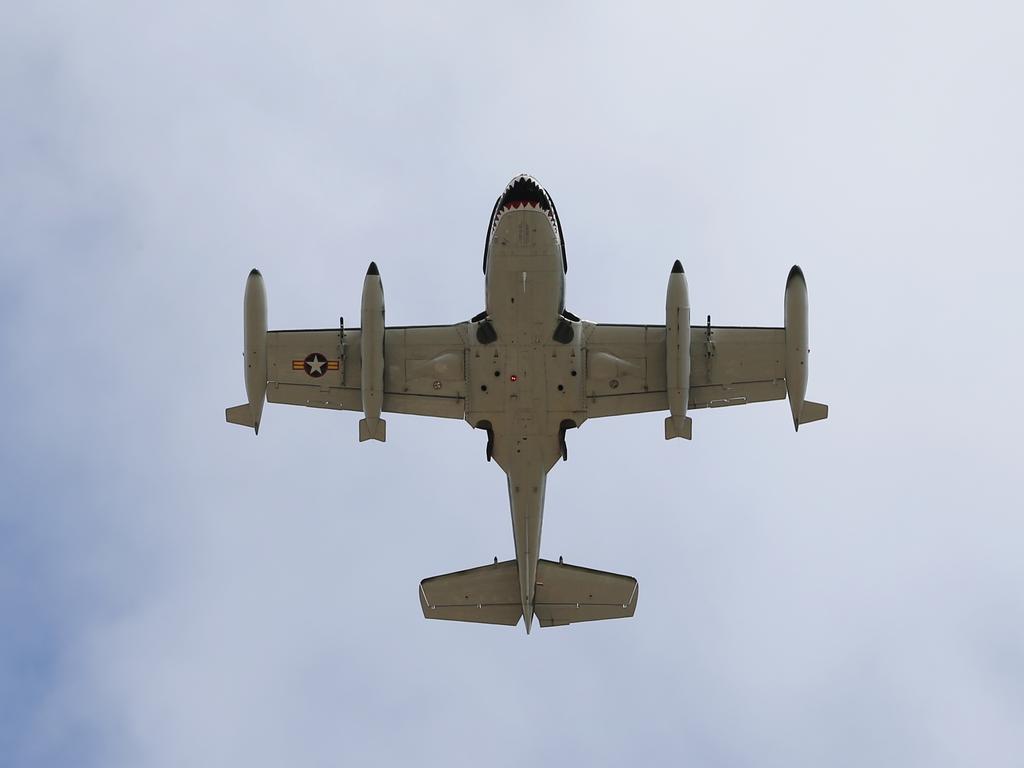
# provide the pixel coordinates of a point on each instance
(373, 427)
(677, 353)
(254, 315)
(797, 352)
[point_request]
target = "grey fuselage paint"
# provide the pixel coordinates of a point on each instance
(525, 384)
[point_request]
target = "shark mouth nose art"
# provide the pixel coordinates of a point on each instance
(524, 190)
(523, 193)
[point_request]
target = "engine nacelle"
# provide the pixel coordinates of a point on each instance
(797, 351)
(677, 354)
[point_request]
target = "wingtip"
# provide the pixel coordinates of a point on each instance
(372, 270)
(794, 273)
(677, 268)
(255, 273)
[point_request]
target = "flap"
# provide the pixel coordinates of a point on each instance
(728, 366)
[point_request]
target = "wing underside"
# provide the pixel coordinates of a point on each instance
(729, 366)
(424, 369)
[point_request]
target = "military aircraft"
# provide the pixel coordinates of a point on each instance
(525, 371)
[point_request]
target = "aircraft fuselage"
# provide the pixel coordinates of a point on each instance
(526, 385)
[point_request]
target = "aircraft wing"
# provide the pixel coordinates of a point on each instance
(425, 370)
(730, 365)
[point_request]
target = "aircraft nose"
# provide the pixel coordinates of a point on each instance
(524, 192)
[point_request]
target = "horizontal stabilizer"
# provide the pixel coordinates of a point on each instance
(564, 594)
(488, 595)
(568, 593)
(240, 414)
(813, 412)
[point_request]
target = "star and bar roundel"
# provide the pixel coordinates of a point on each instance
(315, 364)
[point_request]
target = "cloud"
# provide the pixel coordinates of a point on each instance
(175, 591)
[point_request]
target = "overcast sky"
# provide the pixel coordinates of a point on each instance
(176, 592)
